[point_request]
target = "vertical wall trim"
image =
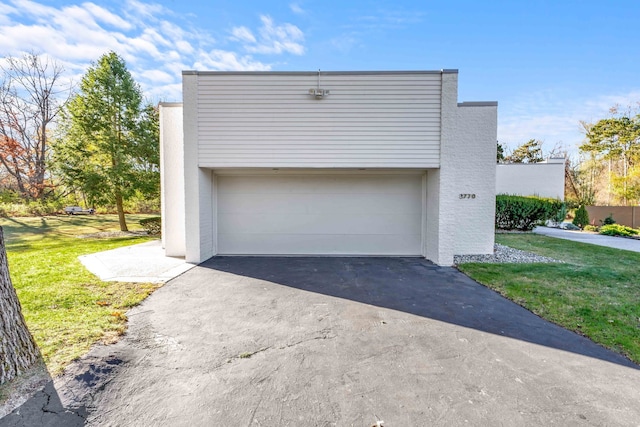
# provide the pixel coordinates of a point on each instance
(425, 197)
(191, 170)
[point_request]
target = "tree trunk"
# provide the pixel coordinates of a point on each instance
(18, 350)
(120, 208)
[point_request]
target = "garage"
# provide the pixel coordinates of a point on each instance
(353, 163)
(320, 213)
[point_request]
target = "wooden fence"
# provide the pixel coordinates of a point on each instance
(624, 215)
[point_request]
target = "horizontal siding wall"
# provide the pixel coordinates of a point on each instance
(367, 120)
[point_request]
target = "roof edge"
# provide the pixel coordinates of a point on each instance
(478, 104)
(315, 73)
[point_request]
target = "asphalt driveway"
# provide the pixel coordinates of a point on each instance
(263, 341)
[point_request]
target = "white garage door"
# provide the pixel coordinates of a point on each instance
(319, 214)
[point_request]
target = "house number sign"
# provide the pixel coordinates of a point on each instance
(467, 196)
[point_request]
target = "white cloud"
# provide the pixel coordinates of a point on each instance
(5, 10)
(229, 61)
(385, 19)
(344, 43)
(103, 15)
(158, 76)
(296, 8)
(243, 34)
(277, 39)
(156, 43)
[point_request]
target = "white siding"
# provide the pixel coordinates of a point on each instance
(270, 120)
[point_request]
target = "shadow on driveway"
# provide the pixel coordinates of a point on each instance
(419, 287)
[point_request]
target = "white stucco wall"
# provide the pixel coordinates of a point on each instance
(199, 186)
(475, 153)
(460, 218)
(172, 179)
(537, 179)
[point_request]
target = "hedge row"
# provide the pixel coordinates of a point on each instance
(523, 213)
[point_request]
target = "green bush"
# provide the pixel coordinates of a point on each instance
(618, 230)
(561, 215)
(152, 225)
(609, 220)
(582, 217)
(9, 196)
(523, 213)
(590, 228)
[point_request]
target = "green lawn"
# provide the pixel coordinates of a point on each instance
(596, 292)
(67, 308)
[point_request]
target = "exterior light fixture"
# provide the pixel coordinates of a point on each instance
(317, 92)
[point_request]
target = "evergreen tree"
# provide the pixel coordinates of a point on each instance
(582, 217)
(109, 145)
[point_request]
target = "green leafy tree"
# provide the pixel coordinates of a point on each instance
(529, 152)
(615, 142)
(109, 146)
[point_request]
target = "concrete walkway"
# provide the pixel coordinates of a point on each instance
(144, 262)
(591, 238)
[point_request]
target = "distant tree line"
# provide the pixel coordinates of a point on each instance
(97, 143)
(607, 168)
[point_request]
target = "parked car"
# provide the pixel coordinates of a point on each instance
(77, 210)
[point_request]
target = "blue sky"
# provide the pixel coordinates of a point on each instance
(549, 64)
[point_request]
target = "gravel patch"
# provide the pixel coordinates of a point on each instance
(503, 254)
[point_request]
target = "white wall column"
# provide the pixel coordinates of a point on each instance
(172, 179)
(199, 187)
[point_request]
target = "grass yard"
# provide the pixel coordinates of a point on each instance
(596, 292)
(67, 308)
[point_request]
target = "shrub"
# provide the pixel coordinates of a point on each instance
(523, 213)
(609, 220)
(582, 217)
(590, 228)
(561, 214)
(29, 208)
(152, 225)
(618, 230)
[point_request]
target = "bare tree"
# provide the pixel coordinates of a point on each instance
(18, 350)
(30, 94)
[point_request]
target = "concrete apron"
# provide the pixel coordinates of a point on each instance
(345, 342)
(144, 262)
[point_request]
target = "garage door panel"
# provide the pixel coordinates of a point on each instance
(256, 223)
(365, 184)
(269, 203)
(319, 214)
(317, 244)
